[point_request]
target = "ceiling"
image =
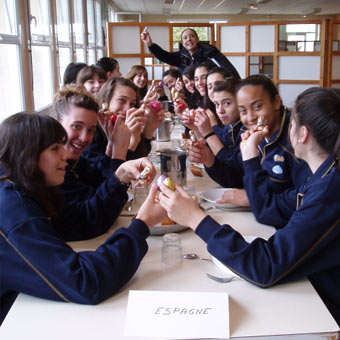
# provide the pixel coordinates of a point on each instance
(214, 7)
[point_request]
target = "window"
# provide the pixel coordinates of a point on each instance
(79, 29)
(64, 42)
(32, 59)
(41, 53)
(11, 94)
(299, 37)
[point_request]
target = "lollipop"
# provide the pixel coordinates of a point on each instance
(167, 181)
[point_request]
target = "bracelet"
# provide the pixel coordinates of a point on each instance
(209, 135)
(127, 185)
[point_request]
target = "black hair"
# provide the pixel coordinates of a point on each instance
(88, 72)
(23, 137)
(220, 70)
(319, 110)
(71, 72)
(227, 85)
(173, 73)
(108, 64)
(190, 29)
(260, 80)
(189, 72)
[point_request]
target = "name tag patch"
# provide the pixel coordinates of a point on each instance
(278, 158)
(277, 170)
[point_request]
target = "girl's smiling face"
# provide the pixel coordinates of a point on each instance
(189, 84)
(253, 102)
(140, 79)
(123, 98)
(201, 80)
(80, 125)
(94, 84)
(52, 163)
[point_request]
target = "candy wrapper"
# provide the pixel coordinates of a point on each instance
(144, 175)
(105, 109)
(156, 106)
(167, 181)
(259, 124)
(193, 138)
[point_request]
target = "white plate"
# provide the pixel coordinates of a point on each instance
(164, 229)
(224, 268)
(214, 195)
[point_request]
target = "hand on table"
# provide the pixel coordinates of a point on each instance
(235, 196)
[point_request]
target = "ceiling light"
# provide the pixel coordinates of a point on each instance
(311, 11)
(262, 1)
(252, 6)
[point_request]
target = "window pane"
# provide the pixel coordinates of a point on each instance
(90, 22)
(78, 25)
(293, 37)
(99, 24)
(92, 56)
(64, 60)
(40, 22)
(10, 84)
(100, 53)
(63, 21)
(42, 76)
(80, 55)
(8, 17)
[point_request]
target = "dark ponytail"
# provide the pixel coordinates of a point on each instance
(319, 110)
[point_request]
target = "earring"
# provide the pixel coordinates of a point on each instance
(299, 141)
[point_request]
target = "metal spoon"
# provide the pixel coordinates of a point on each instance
(221, 279)
(194, 257)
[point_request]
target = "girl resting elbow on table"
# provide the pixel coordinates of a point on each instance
(309, 243)
(257, 97)
(34, 257)
(120, 95)
(99, 191)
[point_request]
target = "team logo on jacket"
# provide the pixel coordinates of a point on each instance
(279, 158)
(277, 170)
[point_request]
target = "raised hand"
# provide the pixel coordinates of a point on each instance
(251, 140)
(202, 122)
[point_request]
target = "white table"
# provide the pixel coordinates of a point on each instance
(285, 311)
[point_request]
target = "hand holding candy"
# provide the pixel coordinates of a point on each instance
(167, 181)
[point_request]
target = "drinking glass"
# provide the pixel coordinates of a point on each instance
(172, 249)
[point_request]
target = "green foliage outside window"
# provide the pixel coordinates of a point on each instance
(202, 32)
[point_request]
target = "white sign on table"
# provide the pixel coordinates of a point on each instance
(177, 315)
